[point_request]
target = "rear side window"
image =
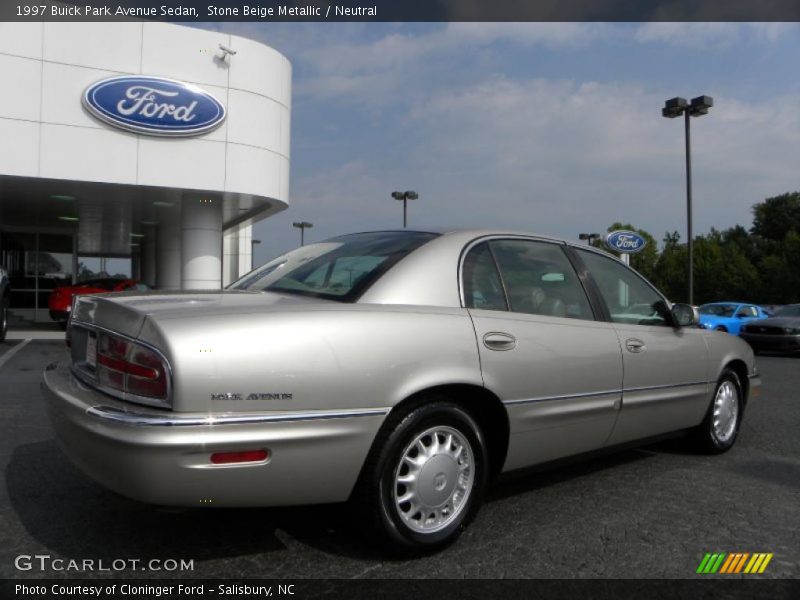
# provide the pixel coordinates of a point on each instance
(630, 299)
(533, 277)
(482, 286)
(540, 279)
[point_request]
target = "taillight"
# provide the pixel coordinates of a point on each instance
(244, 456)
(130, 368)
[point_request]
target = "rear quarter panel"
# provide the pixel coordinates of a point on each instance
(348, 356)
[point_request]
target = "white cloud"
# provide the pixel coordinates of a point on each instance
(701, 35)
(484, 147)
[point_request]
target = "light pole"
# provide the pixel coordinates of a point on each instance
(405, 197)
(674, 108)
(588, 237)
(302, 226)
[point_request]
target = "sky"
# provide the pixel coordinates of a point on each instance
(552, 128)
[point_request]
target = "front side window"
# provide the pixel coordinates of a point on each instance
(747, 311)
(717, 310)
(630, 299)
(341, 268)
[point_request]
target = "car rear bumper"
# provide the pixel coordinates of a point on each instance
(772, 343)
(161, 457)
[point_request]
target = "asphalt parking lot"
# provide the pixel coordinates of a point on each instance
(652, 512)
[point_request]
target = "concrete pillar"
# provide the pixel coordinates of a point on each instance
(201, 242)
(148, 256)
(245, 250)
(168, 254)
(230, 256)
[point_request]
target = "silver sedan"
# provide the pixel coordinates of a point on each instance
(399, 370)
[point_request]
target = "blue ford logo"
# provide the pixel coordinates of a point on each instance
(627, 242)
(154, 106)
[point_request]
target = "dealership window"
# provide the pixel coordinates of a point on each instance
(37, 263)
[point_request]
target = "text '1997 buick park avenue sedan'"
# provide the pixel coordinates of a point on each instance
(399, 370)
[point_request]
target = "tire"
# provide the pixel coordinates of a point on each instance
(443, 492)
(3, 318)
(719, 429)
(721, 328)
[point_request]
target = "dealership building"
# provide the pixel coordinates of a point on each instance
(139, 149)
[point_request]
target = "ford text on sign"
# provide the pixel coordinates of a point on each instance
(627, 242)
(154, 106)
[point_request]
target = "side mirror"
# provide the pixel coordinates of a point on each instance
(685, 315)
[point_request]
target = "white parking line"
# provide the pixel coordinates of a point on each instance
(9, 355)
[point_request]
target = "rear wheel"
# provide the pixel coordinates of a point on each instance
(424, 478)
(719, 429)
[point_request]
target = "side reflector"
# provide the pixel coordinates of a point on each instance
(226, 458)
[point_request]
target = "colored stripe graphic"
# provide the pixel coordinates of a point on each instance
(734, 562)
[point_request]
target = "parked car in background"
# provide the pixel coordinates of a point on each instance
(778, 333)
(60, 300)
(5, 296)
(729, 316)
(399, 370)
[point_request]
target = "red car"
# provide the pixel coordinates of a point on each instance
(60, 301)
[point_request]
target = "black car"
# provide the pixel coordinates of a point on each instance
(778, 333)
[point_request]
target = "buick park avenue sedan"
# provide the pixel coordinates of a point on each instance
(399, 370)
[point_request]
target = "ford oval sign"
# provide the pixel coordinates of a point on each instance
(154, 106)
(627, 242)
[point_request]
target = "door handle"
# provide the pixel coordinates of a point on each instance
(497, 340)
(634, 345)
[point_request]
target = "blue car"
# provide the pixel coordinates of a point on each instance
(729, 316)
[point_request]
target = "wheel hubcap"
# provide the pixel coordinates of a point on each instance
(726, 411)
(434, 479)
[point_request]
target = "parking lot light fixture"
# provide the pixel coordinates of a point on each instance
(676, 107)
(302, 226)
(405, 197)
(588, 237)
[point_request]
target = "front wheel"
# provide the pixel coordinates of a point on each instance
(424, 478)
(718, 431)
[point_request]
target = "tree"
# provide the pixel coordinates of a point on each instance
(774, 218)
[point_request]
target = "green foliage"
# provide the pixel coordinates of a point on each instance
(774, 218)
(761, 266)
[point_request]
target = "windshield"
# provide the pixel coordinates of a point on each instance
(718, 310)
(341, 268)
(793, 310)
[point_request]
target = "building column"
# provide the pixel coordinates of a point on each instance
(245, 250)
(201, 242)
(168, 254)
(230, 256)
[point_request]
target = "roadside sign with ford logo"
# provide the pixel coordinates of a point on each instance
(626, 242)
(154, 106)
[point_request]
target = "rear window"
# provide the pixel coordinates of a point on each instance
(340, 268)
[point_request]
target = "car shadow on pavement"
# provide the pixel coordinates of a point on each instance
(531, 479)
(783, 473)
(69, 514)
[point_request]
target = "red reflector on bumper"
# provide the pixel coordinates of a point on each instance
(225, 458)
